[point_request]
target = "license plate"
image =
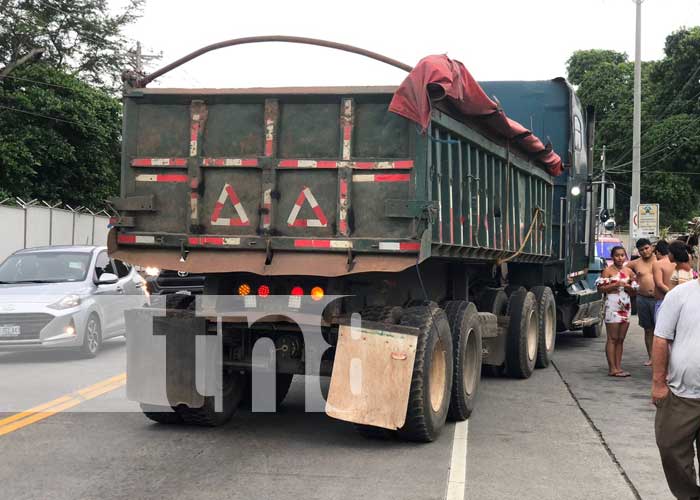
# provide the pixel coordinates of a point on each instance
(9, 330)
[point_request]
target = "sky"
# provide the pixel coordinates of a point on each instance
(495, 39)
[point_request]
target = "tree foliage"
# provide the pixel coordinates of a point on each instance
(81, 37)
(59, 141)
(670, 147)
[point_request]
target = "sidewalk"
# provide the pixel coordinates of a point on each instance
(619, 408)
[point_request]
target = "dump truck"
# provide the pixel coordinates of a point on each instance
(452, 240)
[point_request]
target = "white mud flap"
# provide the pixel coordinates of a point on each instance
(372, 374)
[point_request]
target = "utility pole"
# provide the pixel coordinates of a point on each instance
(636, 126)
(139, 57)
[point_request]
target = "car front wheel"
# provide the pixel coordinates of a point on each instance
(92, 339)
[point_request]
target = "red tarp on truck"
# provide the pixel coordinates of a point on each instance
(439, 76)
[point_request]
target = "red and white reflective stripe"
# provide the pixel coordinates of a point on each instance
(214, 240)
(161, 178)
(398, 246)
(320, 221)
(347, 128)
(360, 165)
(323, 244)
(230, 162)
(159, 162)
(381, 177)
(230, 193)
(194, 203)
(269, 135)
(308, 164)
(401, 164)
(343, 208)
(194, 132)
(267, 207)
(136, 239)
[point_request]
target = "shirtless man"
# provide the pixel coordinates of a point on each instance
(646, 300)
(662, 270)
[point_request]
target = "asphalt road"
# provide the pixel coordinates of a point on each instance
(568, 432)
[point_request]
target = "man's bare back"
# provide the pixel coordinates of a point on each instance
(662, 270)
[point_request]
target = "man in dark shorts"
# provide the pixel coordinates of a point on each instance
(646, 299)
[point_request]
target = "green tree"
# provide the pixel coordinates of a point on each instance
(79, 36)
(59, 137)
(583, 61)
(675, 195)
(670, 147)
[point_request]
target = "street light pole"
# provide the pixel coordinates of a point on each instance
(636, 127)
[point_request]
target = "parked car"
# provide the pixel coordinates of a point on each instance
(162, 282)
(65, 297)
(604, 246)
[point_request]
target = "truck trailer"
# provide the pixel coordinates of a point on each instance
(453, 240)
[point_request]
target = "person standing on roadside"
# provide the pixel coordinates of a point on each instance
(662, 270)
(675, 387)
(682, 270)
(617, 283)
(646, 298)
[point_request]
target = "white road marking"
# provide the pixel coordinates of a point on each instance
(458, 464)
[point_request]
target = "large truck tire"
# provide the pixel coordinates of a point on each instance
(431, 384)
(283, 381)
(547, 325)
(161, 414)
(521, 342)
(382, 314)
(206, 416)
(466, 348)
(494, 301)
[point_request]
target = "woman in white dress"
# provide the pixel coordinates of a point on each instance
(618, 283)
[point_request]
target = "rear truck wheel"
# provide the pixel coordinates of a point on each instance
(547, 325)
(161, 414)
(494, 301)
(431, 384)
(511, 289)
(382, 314)
(521, 342)
(206, 415)
(283, 381)
(92, 338)
(466, 347)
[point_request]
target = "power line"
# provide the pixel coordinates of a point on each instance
(47, 116)
(50, 84)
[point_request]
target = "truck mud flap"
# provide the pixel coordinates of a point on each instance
(372, 374)
(160, 357)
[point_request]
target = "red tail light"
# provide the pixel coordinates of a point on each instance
(263, 291)
(297, 290)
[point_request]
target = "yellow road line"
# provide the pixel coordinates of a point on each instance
(40, 412)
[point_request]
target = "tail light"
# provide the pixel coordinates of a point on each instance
(244, 289)
(263, 291)
(317, 293)
(297, 291)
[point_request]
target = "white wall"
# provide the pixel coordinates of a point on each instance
(45, 226)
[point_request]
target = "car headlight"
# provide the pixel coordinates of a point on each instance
(66, 302)
(152, 271)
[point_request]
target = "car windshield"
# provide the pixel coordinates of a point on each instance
(45, 267)
(604, 248)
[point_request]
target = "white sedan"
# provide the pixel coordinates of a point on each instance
(65, 297)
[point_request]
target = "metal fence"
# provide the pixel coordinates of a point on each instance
(33, 224)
